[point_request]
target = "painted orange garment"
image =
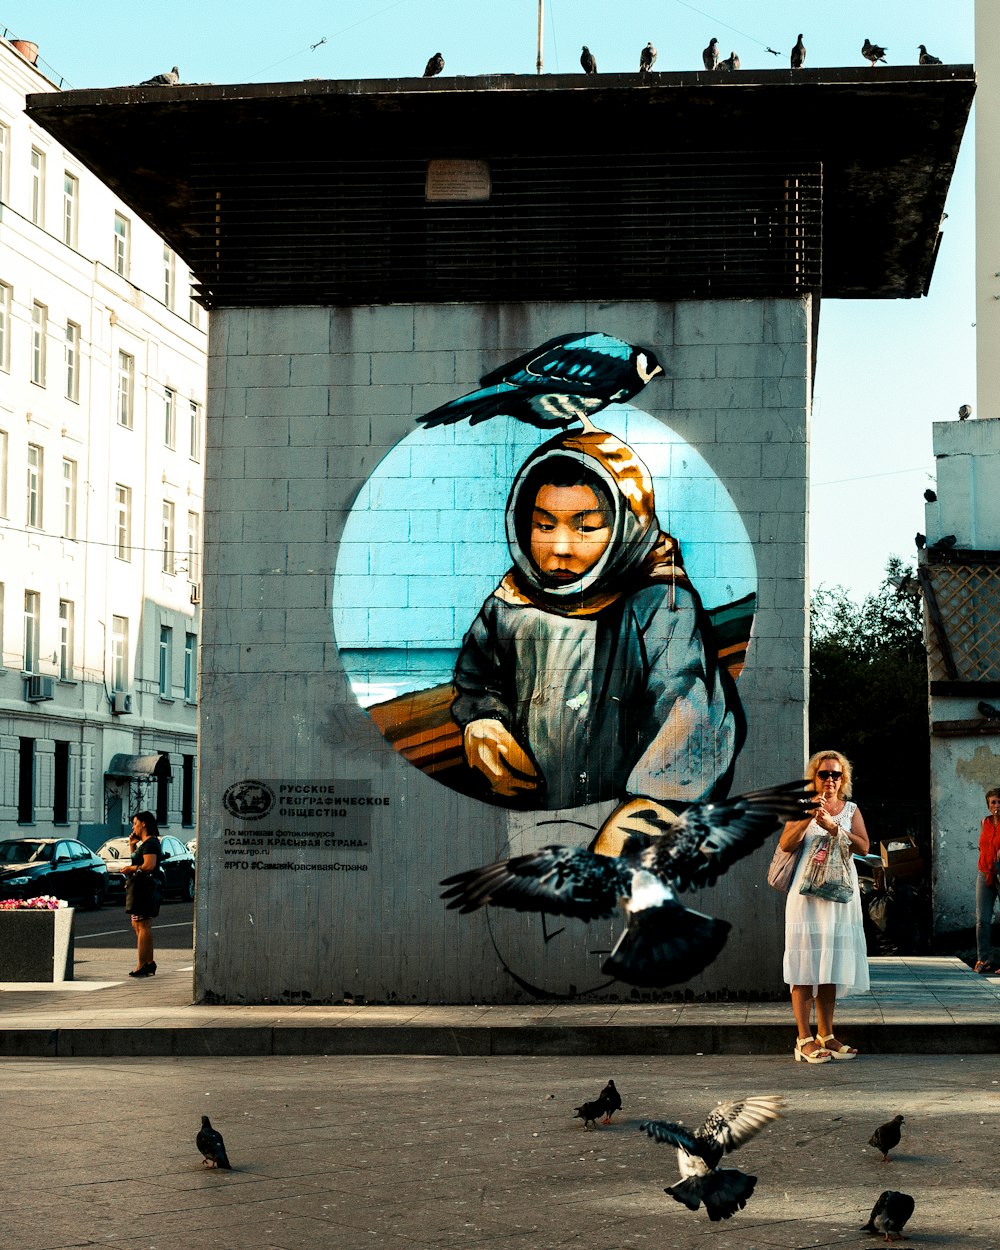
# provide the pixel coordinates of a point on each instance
(989, 848)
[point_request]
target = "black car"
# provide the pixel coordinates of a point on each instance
(61, 867)
(177, 864)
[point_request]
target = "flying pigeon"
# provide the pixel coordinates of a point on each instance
(920, 540)
(611, 1099)
(560, 384)
(987, 711)
(886, 1137)
(710, 56)
(663, 941)
(965, 412)
(646, 58)
(730, 64)
(930, 496)
(925, 57)
(724, 1191)
(434, 66)
(872, 52)
(889, 1214)
(588, 61)
(798, 54)
(589, 1112)
(945, 543)
(168, 79)
(209, 1142)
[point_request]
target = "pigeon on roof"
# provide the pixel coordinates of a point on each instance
(886, 1137)
(872, 52)
(612, 1100)
(710, 56)
(646, 58)
(560, 384)
(798, 57)
(889, 1214)
(965, 412)
(168, 79)
(209, 1142)
(662, 854)
(730, 64)
(925, 57)
(987, 711)
(930, 496)
(920, 540)
(434, 66)
(588, 61)
(945, 543)
(724, 1191)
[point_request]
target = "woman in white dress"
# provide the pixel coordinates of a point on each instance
(825, 949)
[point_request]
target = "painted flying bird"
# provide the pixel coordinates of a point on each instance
(925, 57)
(710, 56)
(589, 1112)
(209, 1142)
(434, 66)
(798, 54)
(965, 412)
(889, 1214)
(588, 61)
(987, 711)
(930, 496)
(886, 1137)
(646, 58)
(730, 64)
(611, 1099)
(872, 52)
(945, 543)
(560, 384)
(168, 79)
(663, 942)
(724, 1191)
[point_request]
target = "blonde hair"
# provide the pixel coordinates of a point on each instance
(812, 768)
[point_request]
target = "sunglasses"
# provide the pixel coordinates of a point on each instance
(825, 774)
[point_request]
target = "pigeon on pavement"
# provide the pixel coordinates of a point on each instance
(886, 1137)
(434, 66)
(925, 57)
(646, 58)
(724, 1191)
(889, 1214)
(611, 1099)
(872, 52)
(168, 79)
(209, 1142)
(710, 56)
(730, 64)
(561, 383)
(589, 1112)
(588, 61)
(798, 54)
(663, 854)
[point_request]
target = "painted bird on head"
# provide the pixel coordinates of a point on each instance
(560, 384)
(662, 855)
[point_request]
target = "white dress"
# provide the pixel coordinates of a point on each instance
(825, 941)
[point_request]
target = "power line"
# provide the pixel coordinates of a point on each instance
(865, 477)
(716, 22)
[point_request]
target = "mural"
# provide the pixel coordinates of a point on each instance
(513, 615)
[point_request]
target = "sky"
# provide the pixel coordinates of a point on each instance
(886, 369)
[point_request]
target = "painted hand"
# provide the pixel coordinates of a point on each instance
(490, 747)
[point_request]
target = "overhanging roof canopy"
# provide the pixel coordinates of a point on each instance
(604, 186)
(139, 767)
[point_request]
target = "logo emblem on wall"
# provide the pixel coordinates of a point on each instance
(249, 800)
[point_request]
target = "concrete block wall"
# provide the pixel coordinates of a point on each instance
(303, 405)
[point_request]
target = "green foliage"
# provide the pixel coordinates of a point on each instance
(868, 688)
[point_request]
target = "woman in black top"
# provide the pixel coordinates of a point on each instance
(142, 893)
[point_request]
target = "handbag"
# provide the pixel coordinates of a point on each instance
(828, 872)
(782, 868)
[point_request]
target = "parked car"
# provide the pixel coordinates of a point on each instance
(177, 864)
(62, 867)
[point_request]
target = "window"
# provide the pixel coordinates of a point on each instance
(119, 653)
(71, 192)
(4, 161)
(123, 522)
(6, 298)
(2, 656)
(33, 509)
(73, 361)
(65, 640)
(169, 276)
(168, 544)
(123, 245)
(60, 794)
(169, 417)
(26, 782)
(3, 473)
(194, 546)
(36, 202)
(195, 431)
(187, 790)
(194, 310)
(69, 499)
(39, 330)
(166, 661)
(126, 389)
(190, 667)
(32, 628)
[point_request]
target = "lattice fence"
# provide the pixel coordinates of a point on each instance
(968, 601)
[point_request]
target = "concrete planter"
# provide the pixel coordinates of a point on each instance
(36, 945)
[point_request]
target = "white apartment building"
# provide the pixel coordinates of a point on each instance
(102, 411)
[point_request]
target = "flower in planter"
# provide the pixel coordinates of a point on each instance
(43, 902)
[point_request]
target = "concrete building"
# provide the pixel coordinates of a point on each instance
(460, 229)
(102, 416)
